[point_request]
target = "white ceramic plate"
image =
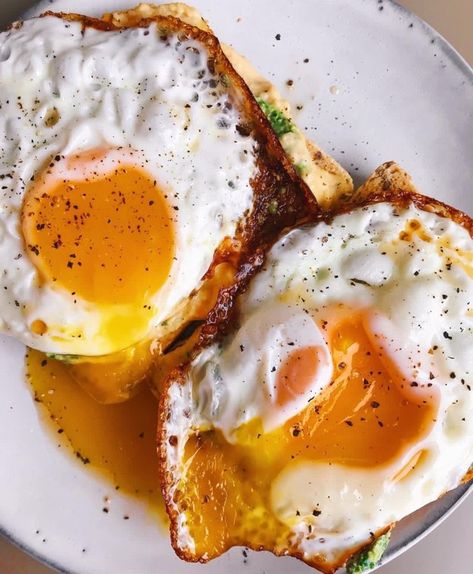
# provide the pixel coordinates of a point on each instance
(403, 94)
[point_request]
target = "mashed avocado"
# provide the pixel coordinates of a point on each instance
(279, 122)
(369, 557)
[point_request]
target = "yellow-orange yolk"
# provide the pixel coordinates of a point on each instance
(107, 238)
(296, 374)
(362, 419)
(116, 441)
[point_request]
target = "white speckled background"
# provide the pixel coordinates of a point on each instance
(449, 548)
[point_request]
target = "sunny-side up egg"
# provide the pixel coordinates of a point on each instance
(341, 402)
(121, 172)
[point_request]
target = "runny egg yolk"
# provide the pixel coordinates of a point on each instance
(296, 374)
(116, 442)
(100, 228)
(362, 419)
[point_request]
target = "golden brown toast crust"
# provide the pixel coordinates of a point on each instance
(389, 183)
(180, 10)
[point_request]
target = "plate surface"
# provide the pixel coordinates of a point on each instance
(379, 85)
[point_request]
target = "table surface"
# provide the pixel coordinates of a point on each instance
(448, 548)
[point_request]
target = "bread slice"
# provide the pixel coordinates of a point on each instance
(188, 441)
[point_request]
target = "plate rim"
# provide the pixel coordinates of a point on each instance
(450, 52)
(461, 493)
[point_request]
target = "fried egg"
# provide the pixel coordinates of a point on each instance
(121, 172)
(342, 399)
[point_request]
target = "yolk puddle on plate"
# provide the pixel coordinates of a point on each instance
(363, 420)
(116, 441)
